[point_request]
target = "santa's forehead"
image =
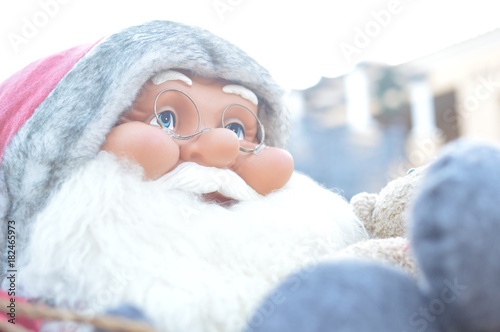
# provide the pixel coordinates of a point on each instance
(175, 75)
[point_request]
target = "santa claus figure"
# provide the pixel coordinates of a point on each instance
(149, 169)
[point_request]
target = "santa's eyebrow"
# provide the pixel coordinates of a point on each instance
(241, 91)
(170, 75)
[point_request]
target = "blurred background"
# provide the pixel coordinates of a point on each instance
(375, 87)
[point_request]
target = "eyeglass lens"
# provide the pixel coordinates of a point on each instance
(177, 112)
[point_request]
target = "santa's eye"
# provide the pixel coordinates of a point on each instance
(166, 119)
(237, 128)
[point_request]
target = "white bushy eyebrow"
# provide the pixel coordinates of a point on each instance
(171, 75)
(241, 91)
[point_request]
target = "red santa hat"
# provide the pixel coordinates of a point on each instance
(24, 91)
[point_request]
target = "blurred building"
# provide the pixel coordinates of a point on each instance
(358, 131)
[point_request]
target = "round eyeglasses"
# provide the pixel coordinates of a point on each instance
(177, 114)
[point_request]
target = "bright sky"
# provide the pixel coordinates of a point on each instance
(298, 41)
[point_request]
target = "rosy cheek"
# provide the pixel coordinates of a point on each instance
(265, 171)
(144, 144)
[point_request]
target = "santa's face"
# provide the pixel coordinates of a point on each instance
(177, 119)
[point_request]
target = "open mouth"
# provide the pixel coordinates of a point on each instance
(217, 198)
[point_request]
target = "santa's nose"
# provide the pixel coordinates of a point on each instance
(214, 148)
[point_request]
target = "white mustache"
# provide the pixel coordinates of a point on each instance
(192, 177)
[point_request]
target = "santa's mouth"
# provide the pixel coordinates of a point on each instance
(219, 199)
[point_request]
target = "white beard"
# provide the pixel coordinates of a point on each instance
(107, 237)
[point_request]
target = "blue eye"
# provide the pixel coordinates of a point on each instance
(167, 120)
(238, 129)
